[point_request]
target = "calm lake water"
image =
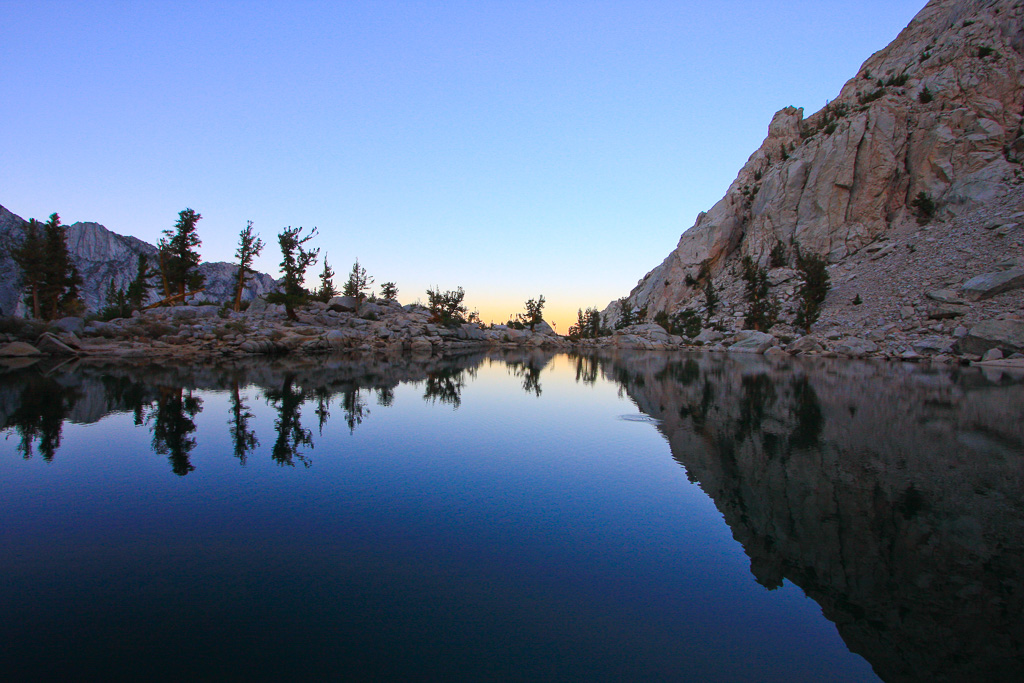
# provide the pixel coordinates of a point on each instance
(512, 516)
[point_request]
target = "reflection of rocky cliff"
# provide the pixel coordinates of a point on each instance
(893, 495)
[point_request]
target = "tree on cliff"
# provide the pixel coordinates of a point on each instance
(249, 247)
(764, 309)
(295, 259)
(813, 270)
(179, 259)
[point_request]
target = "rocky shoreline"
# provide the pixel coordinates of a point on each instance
(387, 328)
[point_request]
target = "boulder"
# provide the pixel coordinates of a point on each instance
(1005, 335)
(946, 296)
(989, 284)
(16, 349)
(343, 304)
(854, 347)
(48, 343)
(806, 344)
(257, 306)
(930, 346)
(71, 324)
(708, 336)
(258, 346)
(946, 311)
(97, 328)
(992, 354)
(421, 347)
(752, 341)
(368, 310)
(473, 332)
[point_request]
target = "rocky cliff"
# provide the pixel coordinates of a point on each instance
(103, 256)
(938, 111)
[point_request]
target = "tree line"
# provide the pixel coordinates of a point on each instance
(51, 281)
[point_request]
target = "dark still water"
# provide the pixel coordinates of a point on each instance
(512, 517)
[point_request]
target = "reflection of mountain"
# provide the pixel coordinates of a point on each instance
(893, 495)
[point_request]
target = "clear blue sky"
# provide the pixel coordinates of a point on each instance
(512, 148)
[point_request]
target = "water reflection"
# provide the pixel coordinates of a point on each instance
(243, 437)
(173, 424)
(36, 401)
(891, 494)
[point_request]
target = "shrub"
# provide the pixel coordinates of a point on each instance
(777, 258)
(985, 51)
(898, 81)
(710, 299)
(813, 290)
(871, 96)
(924, 207)
(857, 301)
(685, 323)
(764, 309)
(925, 96)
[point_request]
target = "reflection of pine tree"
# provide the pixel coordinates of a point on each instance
(172, 425)
(385, 396)
(323, 407)
(586, 370)
(290, 434)
(124, 393)
(242, 437)
(444, 386)
(530, 375)
(44, 405)
(354, 405)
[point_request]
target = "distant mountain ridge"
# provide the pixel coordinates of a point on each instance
(938, 111)
(103, 256)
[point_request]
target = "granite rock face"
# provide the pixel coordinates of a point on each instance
(938, 111)
(103, 256)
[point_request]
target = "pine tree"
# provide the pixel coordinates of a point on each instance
(710, 299)
(388, 291)
(140, 286)
(295, 259)
(249, 247)
(327, 289)
(358, 282)
(179, 260)
(764, 309)
(534, 312)
(28, 255)
(813, 270)
(58, 288)
(628, 316)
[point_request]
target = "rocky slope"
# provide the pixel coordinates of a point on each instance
(939, 112)
(103, 256)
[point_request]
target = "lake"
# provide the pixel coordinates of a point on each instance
(512, 516)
